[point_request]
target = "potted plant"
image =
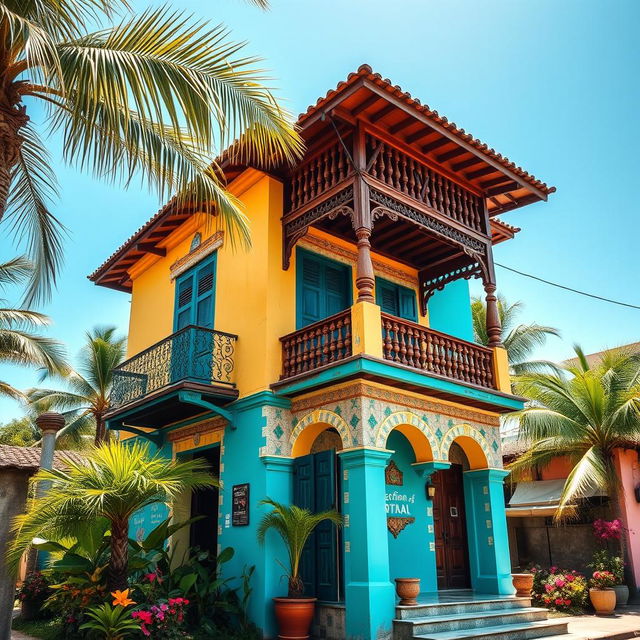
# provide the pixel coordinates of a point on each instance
(604, 560)
(294, 525)
(601, 593)
(523, 583)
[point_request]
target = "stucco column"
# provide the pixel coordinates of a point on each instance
(13, 497)
(369, 594)
(489, 558)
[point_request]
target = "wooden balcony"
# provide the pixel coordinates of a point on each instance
(154, 382)
(403, 342)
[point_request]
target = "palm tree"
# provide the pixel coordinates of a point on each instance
(518, 339)
(152, 96)
(294, 525)
(115, 480)
(18, 344)
(584, 417)
(85, 404)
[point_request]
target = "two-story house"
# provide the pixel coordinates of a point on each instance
(333, 363)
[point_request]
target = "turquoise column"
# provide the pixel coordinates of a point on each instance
(369, 595)
(487, 531)
(425, 470)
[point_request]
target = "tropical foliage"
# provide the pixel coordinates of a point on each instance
(19, 344)
(520, 340)
(113, 482)
(87, 400)
(150, 96)
(21, 432)
(583, 415)
(294, 525)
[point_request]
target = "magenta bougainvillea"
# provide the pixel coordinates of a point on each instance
(163, 620)
(559, 589)
(607, 529)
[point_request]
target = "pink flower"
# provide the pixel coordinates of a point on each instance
(559, 601)
(559, 582)
(548, 588)
(567, 602)
(151, 576)
(570, 578)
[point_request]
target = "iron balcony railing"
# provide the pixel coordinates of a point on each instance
(192, 354)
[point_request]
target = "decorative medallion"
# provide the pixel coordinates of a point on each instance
(393, 475)
(195, 243)
(396, 525)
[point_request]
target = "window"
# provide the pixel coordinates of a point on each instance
(396, 300)
(323, 287)
(195, 296)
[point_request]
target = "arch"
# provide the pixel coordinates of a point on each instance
(414, 429)
(314, 423)
(473, 443)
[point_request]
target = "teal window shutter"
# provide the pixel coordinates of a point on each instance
(396, 300)
(323, 287)
(195, 296)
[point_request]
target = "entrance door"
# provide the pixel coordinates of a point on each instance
(204, 502)
(452, 556)
(316, 488)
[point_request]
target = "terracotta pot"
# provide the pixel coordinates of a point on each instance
(622, 594)
(408, 590)
(523, 583)
(603, 601)
(294, 616)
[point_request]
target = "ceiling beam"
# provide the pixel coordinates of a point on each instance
(480, 172)
(149, 247)
(403, 124)
(365, 104)
(381, 113)
(435, 145)
(448, 155)
(418, 135)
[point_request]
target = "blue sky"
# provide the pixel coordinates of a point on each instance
(552, 85)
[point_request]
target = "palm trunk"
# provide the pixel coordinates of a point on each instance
(101, 435)
(12, 119)
(119, 561)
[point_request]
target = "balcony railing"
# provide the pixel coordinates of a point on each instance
(319, 344)
(192, 354)
(416, 346)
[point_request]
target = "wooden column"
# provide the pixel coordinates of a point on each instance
(365, 278)
(494, 328)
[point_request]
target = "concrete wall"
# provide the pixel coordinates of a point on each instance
(450, 310)
(13, 497)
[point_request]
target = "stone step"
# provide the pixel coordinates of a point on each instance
(407, 629)
(461, 607)
(521, 631)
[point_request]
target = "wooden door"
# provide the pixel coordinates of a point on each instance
(452, 556)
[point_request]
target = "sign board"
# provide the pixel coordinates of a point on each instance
(240, 505)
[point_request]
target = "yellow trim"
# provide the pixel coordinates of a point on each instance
(472, 449)
(501, 368)
(366, 336)
(198, 440)
(418, 440)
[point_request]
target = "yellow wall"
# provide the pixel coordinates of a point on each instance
(255, 297)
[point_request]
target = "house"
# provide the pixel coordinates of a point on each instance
(532, 503)
(332, 364)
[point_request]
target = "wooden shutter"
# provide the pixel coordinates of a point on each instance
(407, 303)
(303, 496)
(396, 300)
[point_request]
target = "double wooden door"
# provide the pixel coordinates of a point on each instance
(452, 555)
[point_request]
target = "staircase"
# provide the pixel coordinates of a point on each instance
(465, 617)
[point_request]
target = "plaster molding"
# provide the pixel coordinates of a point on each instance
(206, 248)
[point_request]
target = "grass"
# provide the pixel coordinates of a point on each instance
(43, 629)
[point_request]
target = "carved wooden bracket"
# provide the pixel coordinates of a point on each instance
(396, 525)
(393, 475)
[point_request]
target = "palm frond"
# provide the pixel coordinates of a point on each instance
(8, 391)
(15, 271)
(33, 186)
(21, 347)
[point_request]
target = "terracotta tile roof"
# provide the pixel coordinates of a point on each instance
(365, 72)
(28, 458)
(513, 448)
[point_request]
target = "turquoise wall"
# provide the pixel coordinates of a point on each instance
(450, 310)
(409, 554)
(267, 477)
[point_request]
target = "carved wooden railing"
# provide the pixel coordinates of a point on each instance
(416, 346)
(194, 353)
(324, 171)
(414, 179)
(317, 345)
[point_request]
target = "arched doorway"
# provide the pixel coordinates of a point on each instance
(317, 487)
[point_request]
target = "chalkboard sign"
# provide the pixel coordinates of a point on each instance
(240, 505)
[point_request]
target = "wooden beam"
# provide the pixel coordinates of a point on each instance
(418, 135)
(503, 188)
(448, 155)
(480, 172)
(365, 104)
(382, 113)
(403, 124)
(496, 181)
(435, 145)
(465, 164)
(149, 247)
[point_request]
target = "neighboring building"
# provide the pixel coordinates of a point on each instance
(332, 364)
(534, 538)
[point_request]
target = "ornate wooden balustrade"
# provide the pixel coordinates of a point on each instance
(194, 353)
(418, 181)
(416, 346)
(319, 344)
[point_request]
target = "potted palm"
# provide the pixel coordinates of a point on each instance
(294, 525)
(601, 593)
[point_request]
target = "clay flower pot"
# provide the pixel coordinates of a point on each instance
(523, 583)
(622, 594)
(408, 590)
(294, 616)
(603, 601)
